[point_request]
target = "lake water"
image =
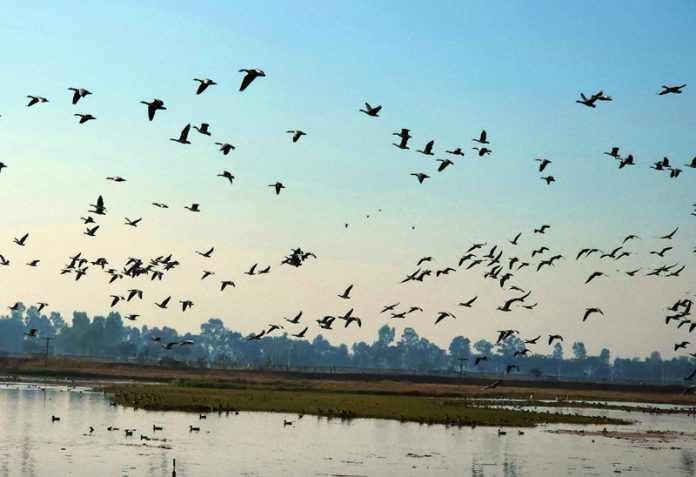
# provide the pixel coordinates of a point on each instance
(258, 444)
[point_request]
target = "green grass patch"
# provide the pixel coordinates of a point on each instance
(197, 396)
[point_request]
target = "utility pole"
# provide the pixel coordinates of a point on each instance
(461, 365)
(46, 353)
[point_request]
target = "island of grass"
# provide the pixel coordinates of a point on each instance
(207, 396)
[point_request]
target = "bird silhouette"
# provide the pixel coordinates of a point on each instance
(183, 137)
(204, 83)
(278, 186)
(251, 75)
(35, 100)
(78, 93)
(671, 90)
(482, 139)
(346, 294)
(153, 106)
(420, 176)
(84, 117)
(405, 135)
(297, 134)
(428, 149)
(370, 111)
(589, 311)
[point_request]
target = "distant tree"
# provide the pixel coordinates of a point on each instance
(460, 347)
(483, 347)
(604, 356)
(557, 351)
(536, 372)
(385, 335)
(579, 351)
(362, 356)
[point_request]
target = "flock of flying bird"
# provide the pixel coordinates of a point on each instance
(491, 260)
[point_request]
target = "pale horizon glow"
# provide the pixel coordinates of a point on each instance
(444, 70)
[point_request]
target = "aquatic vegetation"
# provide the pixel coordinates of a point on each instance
(196, 397)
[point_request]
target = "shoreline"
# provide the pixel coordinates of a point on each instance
(424, 399)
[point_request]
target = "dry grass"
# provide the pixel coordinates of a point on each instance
(470, 387)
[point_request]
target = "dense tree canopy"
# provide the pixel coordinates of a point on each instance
(109, 338)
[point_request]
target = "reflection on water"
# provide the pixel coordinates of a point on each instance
(258, 444)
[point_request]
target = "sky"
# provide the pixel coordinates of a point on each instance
(445, 70)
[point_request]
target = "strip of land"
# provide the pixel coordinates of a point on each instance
(419, 398)
(200, 397)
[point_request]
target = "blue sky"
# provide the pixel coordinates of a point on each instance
(445, 70)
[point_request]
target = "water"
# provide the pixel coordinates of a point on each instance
(258, 444)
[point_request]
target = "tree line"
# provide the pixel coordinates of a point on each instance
(109, 338)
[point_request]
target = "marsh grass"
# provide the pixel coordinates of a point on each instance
(199, 396)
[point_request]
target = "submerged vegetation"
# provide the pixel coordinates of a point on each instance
(197, 396)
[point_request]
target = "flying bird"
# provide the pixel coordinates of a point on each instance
(278, 186)
(225, 148)
(21, 241)
(183, 137)
(153, 107)
(482, 151)
(614, 153)
(589, 102)
(589, 311)
(543, 163)
(227, 175)
(301, 334)
(207, 254)
(420, 176)
(203, 129)
(297, 134)
(428, 149)
(517, 237)
(444, 164)
(482, 138)
(405, 135)
(442, 315)
(204, 83)
(670, 235)
(671, 89)
(370, 111)
(594, 275)
(251, 75)
(346, 294)
(78, 93)
(681, 345)
(553, 338)
(294, 320)
(84, 117)
(36, 99)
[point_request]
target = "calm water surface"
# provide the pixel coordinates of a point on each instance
(258, 444)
